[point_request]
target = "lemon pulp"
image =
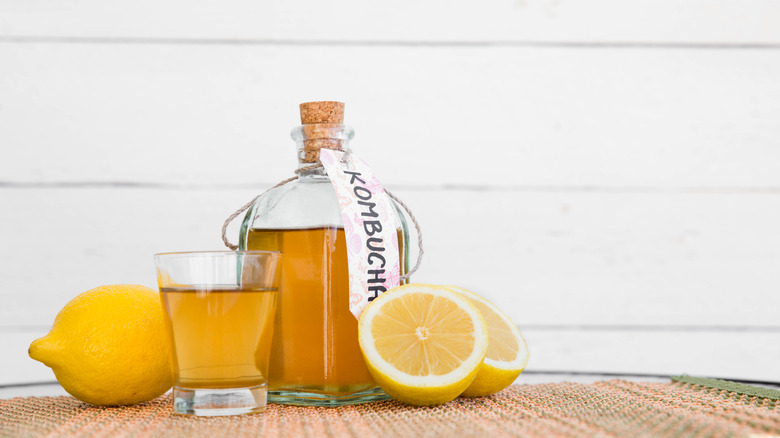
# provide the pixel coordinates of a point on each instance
(507, 352)
(422, 343)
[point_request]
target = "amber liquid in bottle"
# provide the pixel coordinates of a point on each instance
(315, 344)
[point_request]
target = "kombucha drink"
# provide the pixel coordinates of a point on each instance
(222, 336)
(315, 346)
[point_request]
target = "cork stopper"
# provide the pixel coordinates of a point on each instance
(322, 112)
(318, 119)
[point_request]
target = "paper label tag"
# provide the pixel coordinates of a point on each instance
(370, 228)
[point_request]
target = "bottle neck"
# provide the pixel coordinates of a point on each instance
(312, 138)
(306, 172)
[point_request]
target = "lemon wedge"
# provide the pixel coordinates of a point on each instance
(423, 344)
(507, 353)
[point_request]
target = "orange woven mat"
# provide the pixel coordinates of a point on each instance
(612, 408)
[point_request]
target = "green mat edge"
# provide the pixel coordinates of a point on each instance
(739, 388)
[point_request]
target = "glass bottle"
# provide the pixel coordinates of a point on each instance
(315, 356)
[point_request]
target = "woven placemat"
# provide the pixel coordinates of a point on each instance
(611, 408)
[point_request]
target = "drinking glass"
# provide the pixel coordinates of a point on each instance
(219, 308)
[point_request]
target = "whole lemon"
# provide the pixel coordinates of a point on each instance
(108, 346)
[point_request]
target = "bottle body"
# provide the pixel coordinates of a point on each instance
(315, 325)
(315, 356)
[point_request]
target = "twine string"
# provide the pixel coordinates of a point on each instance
(316, 166)
(243, 209)
(419, 235)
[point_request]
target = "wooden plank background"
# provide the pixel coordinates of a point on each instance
(607, 172)
(723, 22)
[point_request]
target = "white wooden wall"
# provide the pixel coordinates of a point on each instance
(607, 171)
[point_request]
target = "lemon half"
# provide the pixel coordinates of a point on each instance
(507, 353)
(423, 344)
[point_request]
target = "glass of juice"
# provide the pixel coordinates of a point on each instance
(219, 308)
